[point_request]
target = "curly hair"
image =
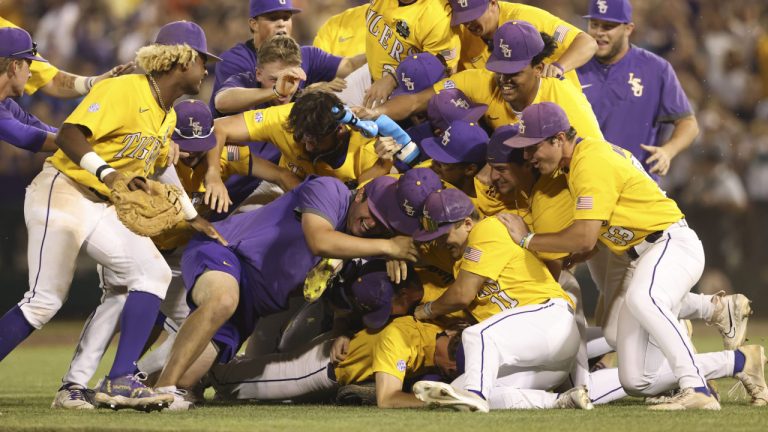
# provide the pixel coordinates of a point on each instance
(280, 48)
(162, 58)
(311, 115)
(550, 45)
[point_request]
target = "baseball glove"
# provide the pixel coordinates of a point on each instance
(147, 214)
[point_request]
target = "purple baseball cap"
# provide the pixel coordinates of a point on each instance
(398, 205)
(515, 44)
(185, 32)
(441, 210)
(371, 294)
(194, 126)
(619, 11)
(464, 11)
(452, 104)
(462, 141)
(418, 72)
(17, 44)
(377, 198)
(539, 122)
(262, 7)
(498, 151)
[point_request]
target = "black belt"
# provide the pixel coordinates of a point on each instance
(650, 238)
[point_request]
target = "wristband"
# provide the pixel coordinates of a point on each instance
(82, 85)
(94, 164)
(104, 171)
(390, 73)
(188, 208)
(277, 93)
(526, 241)
(428, 309)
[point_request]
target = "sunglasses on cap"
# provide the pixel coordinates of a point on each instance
(32, 51)
(194, 134)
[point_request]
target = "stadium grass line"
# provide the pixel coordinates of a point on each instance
(31, 375)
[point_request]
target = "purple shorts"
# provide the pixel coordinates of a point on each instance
(203, 254)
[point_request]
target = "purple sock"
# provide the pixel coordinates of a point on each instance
(738, 361)
(136, 324)
(704, 390)
(14, 328)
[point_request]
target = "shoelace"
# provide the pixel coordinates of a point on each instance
(140, 377)
(76, 394)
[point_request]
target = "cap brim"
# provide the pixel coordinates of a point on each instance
(378, 318)
(378, 205)
(424, 236)
(435, 151)
(211, 57)
(194, 144)
(31, 57)
(467, 15)
(475, 113)
(278, 9)
(518, 141)
(386, 210)
(497, 65)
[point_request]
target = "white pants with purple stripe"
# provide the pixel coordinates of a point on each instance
(529, 347)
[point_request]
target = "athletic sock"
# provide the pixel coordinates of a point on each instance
(135, 328)
(14, 328)
(477, 393)
(704, 390)
(738, 361)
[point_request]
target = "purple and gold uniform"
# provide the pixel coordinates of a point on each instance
(267, 254)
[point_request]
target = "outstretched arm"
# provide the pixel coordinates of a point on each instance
(390, 394)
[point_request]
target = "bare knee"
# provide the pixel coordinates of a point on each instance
(217, 293)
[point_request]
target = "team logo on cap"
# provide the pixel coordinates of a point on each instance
(408, 208)
(460, 103)
(446, 136)
(463, 3)
(602, 6)
(522, 128)
(505, 51)
(197, 129)
(407, 82)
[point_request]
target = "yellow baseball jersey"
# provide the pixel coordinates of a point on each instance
(128, 130)
(609, 184)
(514, 276)
(487, 200)
(341, 35)
(268, 124)
(475, 52)
(394, 32)
(551, 208)
(435, 282)
(480, 86)
(405, 347)
(42, 73)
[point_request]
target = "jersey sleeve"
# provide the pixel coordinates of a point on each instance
(240, 80)
(42, 74)
(265, 124)
(443, 40)
(391, 352)
(561, 31)
(98, 111)
(21, 135)
(595, 185)
(489, 249)
(326, 35)
(319, 65)
(674, 103)
(471, 82)
(326, 197)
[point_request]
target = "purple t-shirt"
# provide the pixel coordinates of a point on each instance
(632, 97)
(20, 128)
(270, 243)
(238, 68)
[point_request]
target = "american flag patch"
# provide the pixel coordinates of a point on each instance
(472, 254)
(233, 153)
(584, 203)
(560, 32)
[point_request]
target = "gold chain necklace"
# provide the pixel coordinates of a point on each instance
(157, 91)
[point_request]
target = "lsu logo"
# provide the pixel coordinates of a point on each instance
(258, 117)
(197, 129)
(463, 3)
(522, 128)
(635, 84)
(449, 84)
(602, 6)
(505, 51)
(407, 82)
(446, 136)
(401, 365)
(460, 103)
(408, 208)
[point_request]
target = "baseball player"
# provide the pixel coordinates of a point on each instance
(340, 34)
(17, 127)
(228, 288)
(120, 130)
(479, 20)
(58, 83)
(284, 68)
(512, 80)
(508, 291)
(617, 203)
(396, 29)
(644, 90)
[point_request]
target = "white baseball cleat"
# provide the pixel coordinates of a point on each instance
(688, 399)
(575, 398)
(438, 394)
(73, 396)
(180, 402)
(730, 317)
(753, 375)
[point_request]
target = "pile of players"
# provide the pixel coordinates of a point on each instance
(388, 217)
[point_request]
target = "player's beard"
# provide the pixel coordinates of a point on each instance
(613, 52)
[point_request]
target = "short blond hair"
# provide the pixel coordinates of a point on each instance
(280, 48)
(161, 58)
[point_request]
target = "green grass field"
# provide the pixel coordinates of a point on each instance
(30, 376)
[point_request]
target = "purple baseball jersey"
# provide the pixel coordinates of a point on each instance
(633, 97)
(20, 128)
(319, 66)
(267, 253)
